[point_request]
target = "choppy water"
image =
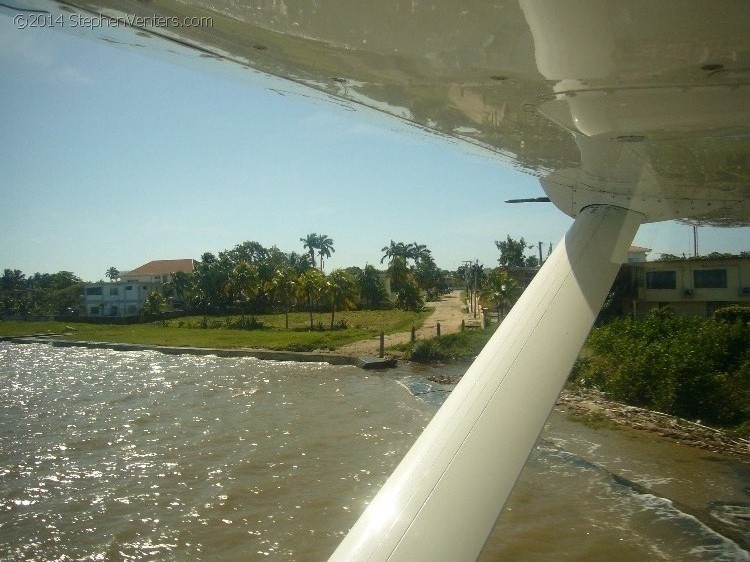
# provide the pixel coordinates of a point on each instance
(109, 455)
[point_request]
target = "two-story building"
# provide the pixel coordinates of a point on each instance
(693, 286)
(126, 295)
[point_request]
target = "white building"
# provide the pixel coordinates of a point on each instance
(125, 297)
(636, 254)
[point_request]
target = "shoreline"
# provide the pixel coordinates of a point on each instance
(593, 408)
(331, 358)
(588, 406)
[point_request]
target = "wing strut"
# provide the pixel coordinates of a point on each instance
(442, 501)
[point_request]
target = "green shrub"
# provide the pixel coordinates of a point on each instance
(243, 323)
(409, 297)
(212, 324)
(301, 346)
(341, 325)
(734, 313)
(686, 366)
(450, 347)
(427, 351)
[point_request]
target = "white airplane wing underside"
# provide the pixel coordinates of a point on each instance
(643, 104)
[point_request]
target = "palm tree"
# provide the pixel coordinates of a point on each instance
(398, 272)
(12, 279)
(299, 262)
(210, 277)
(409, 296)
(112, 273)
(428, 276)
(309, 288)
(370, 286)
(475, 279)
(325, 247)
(343, 291)
(394, 249)
(500, 290)
(242, 285)
(282, 286)
(179, 283)
(418, 252)
(310, 243)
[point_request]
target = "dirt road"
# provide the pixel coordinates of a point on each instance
(449, 311)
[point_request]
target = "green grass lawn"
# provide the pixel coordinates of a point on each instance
(187, 331)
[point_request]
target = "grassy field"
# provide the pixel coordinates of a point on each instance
(217, 331)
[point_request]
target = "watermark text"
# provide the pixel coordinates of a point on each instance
(93, 21)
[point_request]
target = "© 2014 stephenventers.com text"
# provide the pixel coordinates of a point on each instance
(91, 21)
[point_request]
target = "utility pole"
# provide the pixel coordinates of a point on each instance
(541, 261)
(476, 299)
(695, 240)
(467, 265)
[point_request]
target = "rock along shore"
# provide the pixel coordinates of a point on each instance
(593, 406)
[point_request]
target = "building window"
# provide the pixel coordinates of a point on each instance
(710, 278)
(93, 291)
(661, 279)
(114, 291)
(94, 311)
(129, 288)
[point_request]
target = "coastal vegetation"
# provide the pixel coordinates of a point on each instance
(465, 344)
(41, 294)
(248, 296)
(266, 331)
(691, 367)
(251, 279)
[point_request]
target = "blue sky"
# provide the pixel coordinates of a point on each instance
(114, 158)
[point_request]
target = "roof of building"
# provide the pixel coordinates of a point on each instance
(638, 250)
(164, 267)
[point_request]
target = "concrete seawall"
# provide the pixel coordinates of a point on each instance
(266, 354)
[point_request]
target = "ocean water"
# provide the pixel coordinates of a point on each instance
(108, 455)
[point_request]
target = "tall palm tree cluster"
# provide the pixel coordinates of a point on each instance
(411, 281)
(253, 279)
(318, 242)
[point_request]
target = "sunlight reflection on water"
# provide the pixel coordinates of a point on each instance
(139, 455)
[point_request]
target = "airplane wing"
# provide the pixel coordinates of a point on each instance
(632, 103)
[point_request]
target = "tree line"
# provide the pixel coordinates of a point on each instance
(252, 279)
(42, 294)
